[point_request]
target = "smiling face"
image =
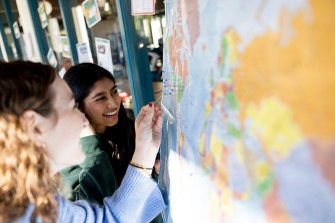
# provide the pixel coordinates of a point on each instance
(61, 130)
(102, 105)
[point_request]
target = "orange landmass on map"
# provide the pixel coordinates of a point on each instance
(324, 156)
(192, 20)
(300, 74)
(177, 42)
(275, 211)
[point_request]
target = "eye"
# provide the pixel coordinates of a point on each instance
(114, 91)
(100, 99)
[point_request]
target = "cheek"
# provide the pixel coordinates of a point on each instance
(73, 120)
(95, 111)
(63, 141)
(118, 100)
(74, 125)
(70, 152)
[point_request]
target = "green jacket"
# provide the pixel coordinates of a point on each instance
(91, 180)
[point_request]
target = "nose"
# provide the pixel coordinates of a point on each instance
(112, 103)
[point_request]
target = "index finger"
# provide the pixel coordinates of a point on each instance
(141, 115)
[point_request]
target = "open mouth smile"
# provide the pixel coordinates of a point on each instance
(109, 114)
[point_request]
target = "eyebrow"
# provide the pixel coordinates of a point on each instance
(98, 95)
(102, 93)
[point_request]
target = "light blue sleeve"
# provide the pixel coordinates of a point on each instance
(138, 199)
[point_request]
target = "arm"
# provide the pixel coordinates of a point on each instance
(97, 181)
(137, 199)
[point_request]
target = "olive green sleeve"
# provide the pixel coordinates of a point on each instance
(97, 181)
(93, 179)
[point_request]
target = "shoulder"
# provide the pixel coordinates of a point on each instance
(69, 173)
(95, 160)
(91, 144)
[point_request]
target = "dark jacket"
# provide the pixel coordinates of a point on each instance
(119, 144)
(91, 180)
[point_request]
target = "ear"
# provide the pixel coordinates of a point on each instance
(33, 122)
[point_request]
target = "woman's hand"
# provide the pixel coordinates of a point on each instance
(148, 127)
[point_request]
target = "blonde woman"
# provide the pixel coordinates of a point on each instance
(40, 127)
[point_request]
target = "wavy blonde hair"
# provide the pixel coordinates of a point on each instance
(24, 174)
(24, 171)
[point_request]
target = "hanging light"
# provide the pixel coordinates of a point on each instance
(107, 7)
(101, 3)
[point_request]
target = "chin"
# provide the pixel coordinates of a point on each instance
(111, 124)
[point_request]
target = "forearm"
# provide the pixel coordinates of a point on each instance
(137, 198)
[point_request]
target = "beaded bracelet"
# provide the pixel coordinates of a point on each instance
(145, 169)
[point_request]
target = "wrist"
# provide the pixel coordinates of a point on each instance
(145, 160)
(144, 170)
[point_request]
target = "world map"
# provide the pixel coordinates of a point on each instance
(249, 90)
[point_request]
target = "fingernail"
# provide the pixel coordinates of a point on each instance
(150, 104)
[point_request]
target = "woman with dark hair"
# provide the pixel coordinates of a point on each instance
(97, 96)
(40, 126)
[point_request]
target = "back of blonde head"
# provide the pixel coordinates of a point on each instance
(24, 172)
